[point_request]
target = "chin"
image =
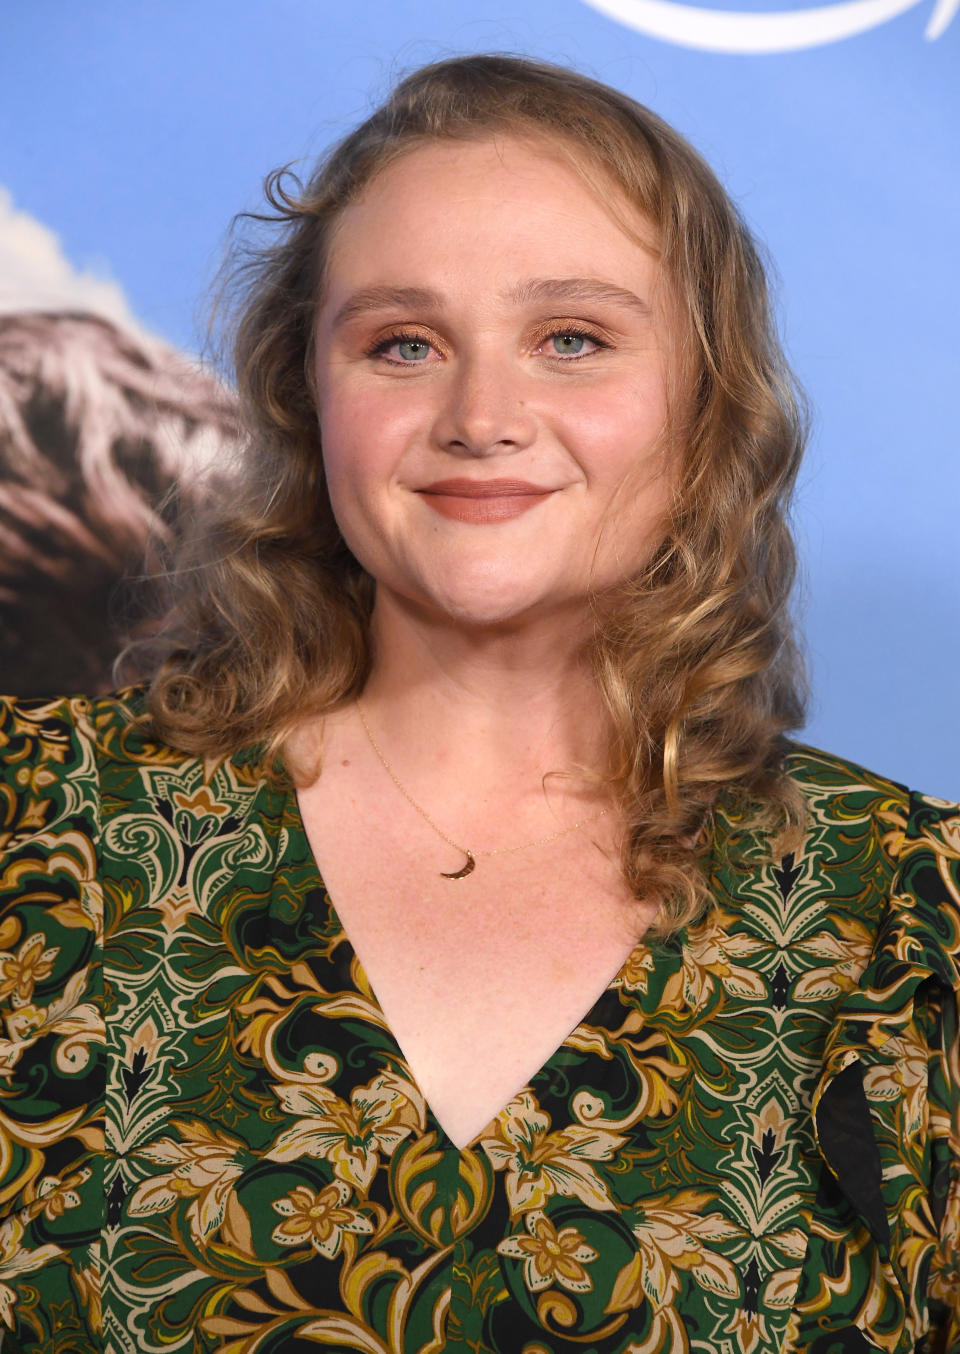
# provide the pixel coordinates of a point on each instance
(488, 598)
(505, 612)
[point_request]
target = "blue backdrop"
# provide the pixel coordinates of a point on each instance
(131, 134)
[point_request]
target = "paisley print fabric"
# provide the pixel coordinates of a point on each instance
(210, 1141)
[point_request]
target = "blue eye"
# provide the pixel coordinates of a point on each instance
(402, 350)
(570, 345)
(413, 350)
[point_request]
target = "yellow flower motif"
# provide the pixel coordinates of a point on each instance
(540, 1164)
(77, 1023)
(711, 955)
(636, 971)
(903, 1078)
(351, 1134)
(319, 1219)
(674, 1235)
(550, 1256)
(201, 802)
(30, 965)
(843, 958)
(37, 778)
(205, 1167)
(750, 1330)
(15, 1261)
(56, 1195)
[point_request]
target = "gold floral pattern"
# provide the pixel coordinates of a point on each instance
(205, 1169)
(539, 1164)
(352, 1135)
(550, 1256)
(21, 971)
(318, 1219)
(210, 1140)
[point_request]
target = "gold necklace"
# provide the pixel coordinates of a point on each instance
(471, 856)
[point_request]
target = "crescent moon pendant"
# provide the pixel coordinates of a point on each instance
(466, 869)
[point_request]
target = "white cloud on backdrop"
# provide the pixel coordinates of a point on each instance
(35, 274)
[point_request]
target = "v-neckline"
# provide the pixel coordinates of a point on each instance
(611, 988)
(529, 1085)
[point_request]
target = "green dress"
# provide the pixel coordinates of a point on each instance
(210, 1140)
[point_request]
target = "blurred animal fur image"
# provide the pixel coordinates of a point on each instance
(108, 441)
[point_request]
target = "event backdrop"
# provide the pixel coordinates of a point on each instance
(131, 133)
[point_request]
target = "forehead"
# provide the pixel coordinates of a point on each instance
(501, 203)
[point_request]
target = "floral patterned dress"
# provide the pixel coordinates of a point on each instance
(210, 1140)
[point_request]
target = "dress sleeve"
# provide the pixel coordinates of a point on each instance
(887, 1104)
(51, 1023)
(944, 1284)
(943, 834)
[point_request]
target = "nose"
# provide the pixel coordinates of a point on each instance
(484, 412)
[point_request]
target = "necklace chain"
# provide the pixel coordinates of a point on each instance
(470, 855)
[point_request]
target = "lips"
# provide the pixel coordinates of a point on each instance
(482, 501)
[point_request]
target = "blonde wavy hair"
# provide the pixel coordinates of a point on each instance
(695, 657)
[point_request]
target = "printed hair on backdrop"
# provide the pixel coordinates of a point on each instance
(108, 441)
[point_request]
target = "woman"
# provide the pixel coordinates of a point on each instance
(645, 1034)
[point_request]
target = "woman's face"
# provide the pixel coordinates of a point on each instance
(491, 375)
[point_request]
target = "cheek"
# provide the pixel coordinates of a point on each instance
(631, 468)
(349, 441)
(364, 434)
(345, 469)
(622, 433)
(362, 460)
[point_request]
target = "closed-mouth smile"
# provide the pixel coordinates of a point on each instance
(483, 501)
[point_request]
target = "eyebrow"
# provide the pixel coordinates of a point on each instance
(536, 290)
(383, 298)
(578, 289)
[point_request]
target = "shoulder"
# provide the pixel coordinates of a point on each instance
(51, 753)
(825, 811)
(822, 776)
(842, 797)
(66, 761)
(866, 860)
(888, 854)
(48, 769)
(57, 730)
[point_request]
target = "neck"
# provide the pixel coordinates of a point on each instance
(503, 705)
